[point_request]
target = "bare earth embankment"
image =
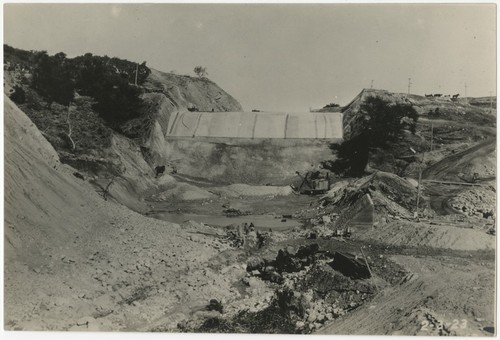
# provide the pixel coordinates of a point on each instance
(74, 261)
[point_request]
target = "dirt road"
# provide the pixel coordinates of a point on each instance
(449, 167)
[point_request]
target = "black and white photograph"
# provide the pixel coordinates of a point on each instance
(250, 168)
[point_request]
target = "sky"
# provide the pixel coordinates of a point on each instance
(280, 57)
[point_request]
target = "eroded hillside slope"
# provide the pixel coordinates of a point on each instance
(96, 265)
(166, 95)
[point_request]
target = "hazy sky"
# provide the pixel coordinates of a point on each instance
(280, 57)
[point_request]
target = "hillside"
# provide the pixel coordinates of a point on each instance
(167, 94)
(443, 108)
(121, 150)
(445, 125)
(74, 261)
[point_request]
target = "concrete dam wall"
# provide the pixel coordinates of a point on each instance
(258, 161)
(245, 147)
(256, 125)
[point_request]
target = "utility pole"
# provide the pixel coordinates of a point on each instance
(371, 86)
(409, 85)
(419, 185)
(418, 191)
(368, 266)
(419, 181)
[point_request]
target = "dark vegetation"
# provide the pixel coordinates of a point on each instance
(19, 95)
(276, 319)
(200, 71)
(17, 58)
(111, 82)
(382, 124)
(75, 102)
(331, 105)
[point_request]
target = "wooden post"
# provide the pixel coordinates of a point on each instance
(418, 190)
(368, 266)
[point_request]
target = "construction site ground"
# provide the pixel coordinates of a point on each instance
(434, 277)
(99, 266)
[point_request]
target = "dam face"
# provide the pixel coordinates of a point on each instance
(253, 148)
(256, 125)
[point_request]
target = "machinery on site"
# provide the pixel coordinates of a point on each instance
(314, 182)
(342, 232)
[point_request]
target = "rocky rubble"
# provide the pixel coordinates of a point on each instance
(390, 193)
(308, 292)
(480, 202)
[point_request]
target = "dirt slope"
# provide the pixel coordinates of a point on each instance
(187, 92)
(166, 95)
(480, 158)
(425, 298)
(401, 233)
(76, 262)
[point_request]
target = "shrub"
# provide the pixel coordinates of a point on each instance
(382, 123)
(52, 78)
(19, 95)
(200, 71)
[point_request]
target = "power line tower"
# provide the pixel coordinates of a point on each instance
(409, 85)
(371, 86)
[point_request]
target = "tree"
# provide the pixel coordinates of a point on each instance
(117, 100)
(70, 129)
(200, 71)
(380, 124)
(384, 122)
(19, 95)
(52, 78)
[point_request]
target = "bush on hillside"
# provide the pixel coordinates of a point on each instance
(382, 125)
(19, 95)
(18, 58)
(110, 81)
(200, 71)
(383, 122)
(52, 78)
(116, 99)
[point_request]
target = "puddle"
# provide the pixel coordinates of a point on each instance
(261, 222)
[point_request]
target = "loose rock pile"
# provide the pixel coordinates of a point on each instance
(478, 202)
(308, 293)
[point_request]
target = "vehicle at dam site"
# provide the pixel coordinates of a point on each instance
(249, 169)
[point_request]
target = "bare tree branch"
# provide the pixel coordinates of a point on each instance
(105, 191)
(70, 130)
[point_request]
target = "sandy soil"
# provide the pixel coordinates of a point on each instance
(416, 306)
(89, 259)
